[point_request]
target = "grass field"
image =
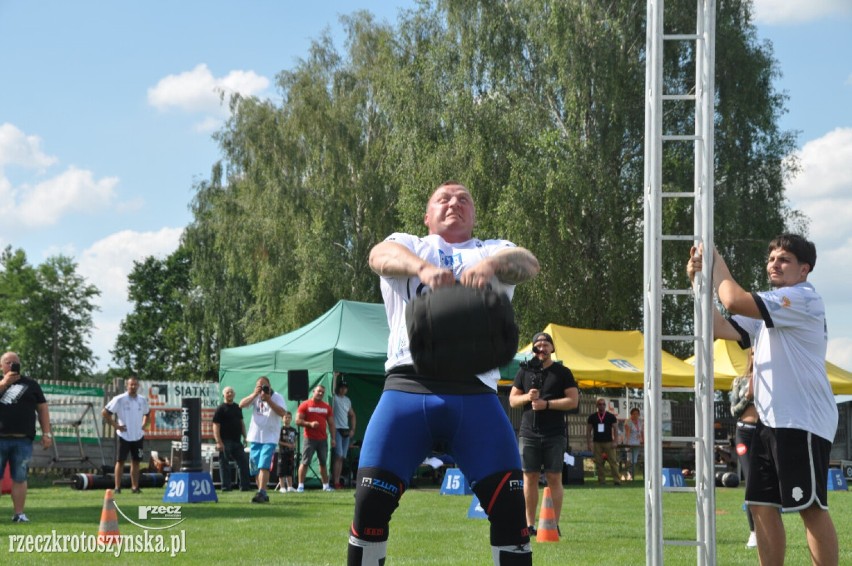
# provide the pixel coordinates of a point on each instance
(600, 525)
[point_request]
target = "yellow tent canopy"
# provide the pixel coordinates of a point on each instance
(611, 358)
(729, 361)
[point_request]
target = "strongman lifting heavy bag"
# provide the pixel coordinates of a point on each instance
(460, 331)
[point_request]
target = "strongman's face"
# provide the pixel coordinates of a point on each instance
(451, 213)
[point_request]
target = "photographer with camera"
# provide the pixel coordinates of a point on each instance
(545, 390)
(267, 410)
(21, 399)
(314, 415)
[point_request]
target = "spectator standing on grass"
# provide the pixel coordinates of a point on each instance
(344, 425)
(229, 430)
(742, 407)
(602, 438)
(265, 427)
(128, 414)
(315, 416)
(21, 401)
(545, 390)
(286, 454)
(634, 438)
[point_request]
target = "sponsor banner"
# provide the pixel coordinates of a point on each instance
(74, 409)
(165, 399)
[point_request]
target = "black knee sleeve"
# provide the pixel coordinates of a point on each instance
(502, 497)
(377, 494)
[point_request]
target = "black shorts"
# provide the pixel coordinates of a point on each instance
(134, 449)
(789, 469)
(285, 463)
(538, 453)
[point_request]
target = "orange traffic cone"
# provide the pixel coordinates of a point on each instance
(108, 531)
(547, 530)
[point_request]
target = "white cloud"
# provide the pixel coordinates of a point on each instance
(823, 188)
(784, 12)
(74, 190)
(17, 148)
(107, 264)
(199, 91)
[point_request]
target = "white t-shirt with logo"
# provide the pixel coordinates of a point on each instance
(791, 387)
(398, 291)
(265, 426)
(129, 411)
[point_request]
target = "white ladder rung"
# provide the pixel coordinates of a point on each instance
(681, 338)
(681, 37)
(679, 194)
(678, 237)
(682, 137)
(678, 97)
(677, 291)
(684, 489)
(685, 439)
(677, 389)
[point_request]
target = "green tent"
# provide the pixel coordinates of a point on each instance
(351, 338)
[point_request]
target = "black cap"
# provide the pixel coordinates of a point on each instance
(543, 336)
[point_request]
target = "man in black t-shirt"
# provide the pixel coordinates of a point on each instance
(545, 390)
(21, 399)
(228, 429)
(602, 436)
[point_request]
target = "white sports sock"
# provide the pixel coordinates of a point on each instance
(372, 553)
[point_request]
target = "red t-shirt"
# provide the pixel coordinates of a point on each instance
(316, 411)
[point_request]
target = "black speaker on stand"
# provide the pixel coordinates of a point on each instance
(297, 390)
(297, 385)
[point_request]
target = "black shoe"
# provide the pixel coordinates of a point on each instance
(533, 530)
(117, 490)
(260, 498)
(135, 490)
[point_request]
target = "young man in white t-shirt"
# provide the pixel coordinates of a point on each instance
(128, 414)
(798, 415)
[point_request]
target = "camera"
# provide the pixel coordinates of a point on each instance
(265, 389)
(533, 364)
(15, 367)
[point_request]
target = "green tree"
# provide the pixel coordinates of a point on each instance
(48, 315)
(156, 340)
(288, 222)
(536, 106)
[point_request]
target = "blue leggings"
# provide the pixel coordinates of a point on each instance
(405, 427)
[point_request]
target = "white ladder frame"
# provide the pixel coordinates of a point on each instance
(702, 138)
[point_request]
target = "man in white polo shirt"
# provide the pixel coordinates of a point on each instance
(128, 414)
(790, 449)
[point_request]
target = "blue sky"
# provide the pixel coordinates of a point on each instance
(107, 110)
